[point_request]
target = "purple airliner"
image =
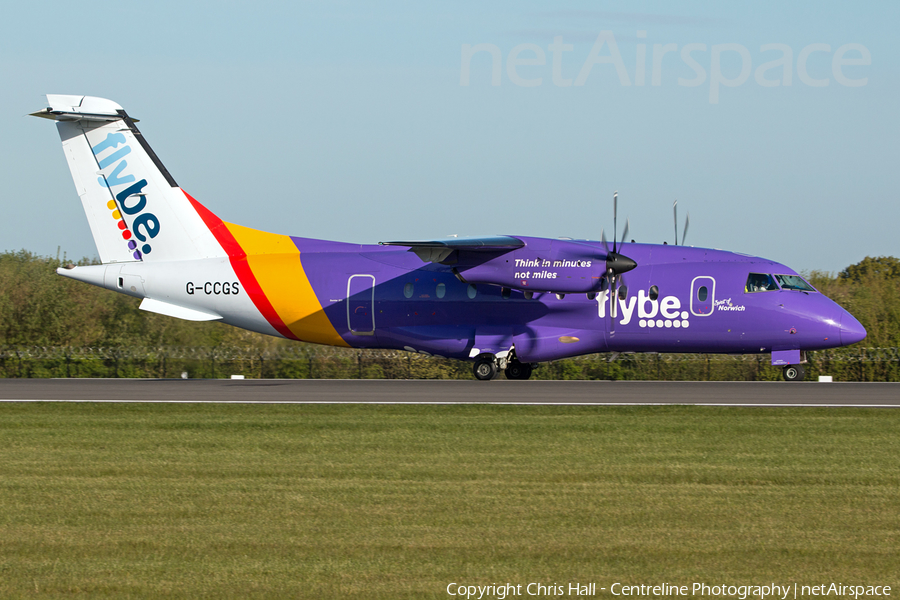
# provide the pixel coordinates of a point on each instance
(504, 303)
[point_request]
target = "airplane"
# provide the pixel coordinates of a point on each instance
(504, 303)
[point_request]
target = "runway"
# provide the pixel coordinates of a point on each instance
(500, 391)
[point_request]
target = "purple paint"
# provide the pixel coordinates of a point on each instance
(699, 302)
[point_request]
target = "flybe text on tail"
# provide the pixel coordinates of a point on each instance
(118, 175)
(145, 225)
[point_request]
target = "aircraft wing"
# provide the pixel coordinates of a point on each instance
(439, 250)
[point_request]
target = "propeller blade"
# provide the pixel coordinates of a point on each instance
(687, 222)
(616, 264)
(614, 299)
(675, 210)
(615, 213)
(613, 302)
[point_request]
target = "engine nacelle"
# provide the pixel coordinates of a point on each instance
(560, 266)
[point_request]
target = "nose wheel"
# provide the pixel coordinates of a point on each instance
(793, 373)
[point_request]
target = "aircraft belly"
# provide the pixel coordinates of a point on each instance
(446, 341)
(543, 343)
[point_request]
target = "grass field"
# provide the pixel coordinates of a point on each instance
(249, 501)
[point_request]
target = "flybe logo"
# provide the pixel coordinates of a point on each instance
(662, 312)
(131, 200)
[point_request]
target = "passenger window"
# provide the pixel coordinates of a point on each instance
(408, 290)
(654, 292)
(471, 291)
(760, 282)
(702, 293)
(623, 292)
(794, 282)
(441, 290)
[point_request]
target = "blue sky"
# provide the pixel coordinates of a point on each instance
(349, 120)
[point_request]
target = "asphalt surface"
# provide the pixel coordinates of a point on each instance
(499, 391)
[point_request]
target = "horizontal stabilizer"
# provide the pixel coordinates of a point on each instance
(179, 312)
(80, 108)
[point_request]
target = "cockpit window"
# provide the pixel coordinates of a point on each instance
(760, 282)
(794, 282)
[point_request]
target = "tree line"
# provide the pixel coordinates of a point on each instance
(51, 326)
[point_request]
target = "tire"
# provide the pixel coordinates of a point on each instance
(794, 373)
(484, 369)
(518, 370)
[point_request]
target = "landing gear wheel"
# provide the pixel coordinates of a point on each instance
(484, 369)
(794, 373)
(518, 370)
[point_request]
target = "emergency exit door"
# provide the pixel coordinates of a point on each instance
(703, 296)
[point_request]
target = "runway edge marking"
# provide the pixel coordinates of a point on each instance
(448, 403)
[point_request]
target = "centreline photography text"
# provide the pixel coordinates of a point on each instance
(741, 591)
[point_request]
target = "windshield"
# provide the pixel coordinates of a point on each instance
(760, 282)
(794, 282)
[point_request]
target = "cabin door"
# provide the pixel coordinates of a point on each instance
(361, 304)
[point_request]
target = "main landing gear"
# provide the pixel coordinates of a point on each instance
(793, 373)
(487, 365)
(517, 370)
(485, 368)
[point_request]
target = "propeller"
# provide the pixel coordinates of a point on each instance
(616, 264)
(687, 221)
(675, 210)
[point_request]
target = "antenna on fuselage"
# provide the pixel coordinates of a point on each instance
(675, 211)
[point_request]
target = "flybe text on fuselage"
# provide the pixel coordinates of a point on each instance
(661, 312)
(145, 224)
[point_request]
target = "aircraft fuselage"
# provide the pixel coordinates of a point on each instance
(371, 296)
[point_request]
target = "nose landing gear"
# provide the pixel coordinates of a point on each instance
(793, 373)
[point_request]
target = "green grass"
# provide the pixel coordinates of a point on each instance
(236, 501)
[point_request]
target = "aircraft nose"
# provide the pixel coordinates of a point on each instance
(852, 330)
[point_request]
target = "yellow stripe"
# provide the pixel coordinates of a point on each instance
(275, 262)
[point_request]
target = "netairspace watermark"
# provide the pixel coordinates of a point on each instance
(706, 63)
(501, 591)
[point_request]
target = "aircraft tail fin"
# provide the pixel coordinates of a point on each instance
(135, 209)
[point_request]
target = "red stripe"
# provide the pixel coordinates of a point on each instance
(241, 267)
